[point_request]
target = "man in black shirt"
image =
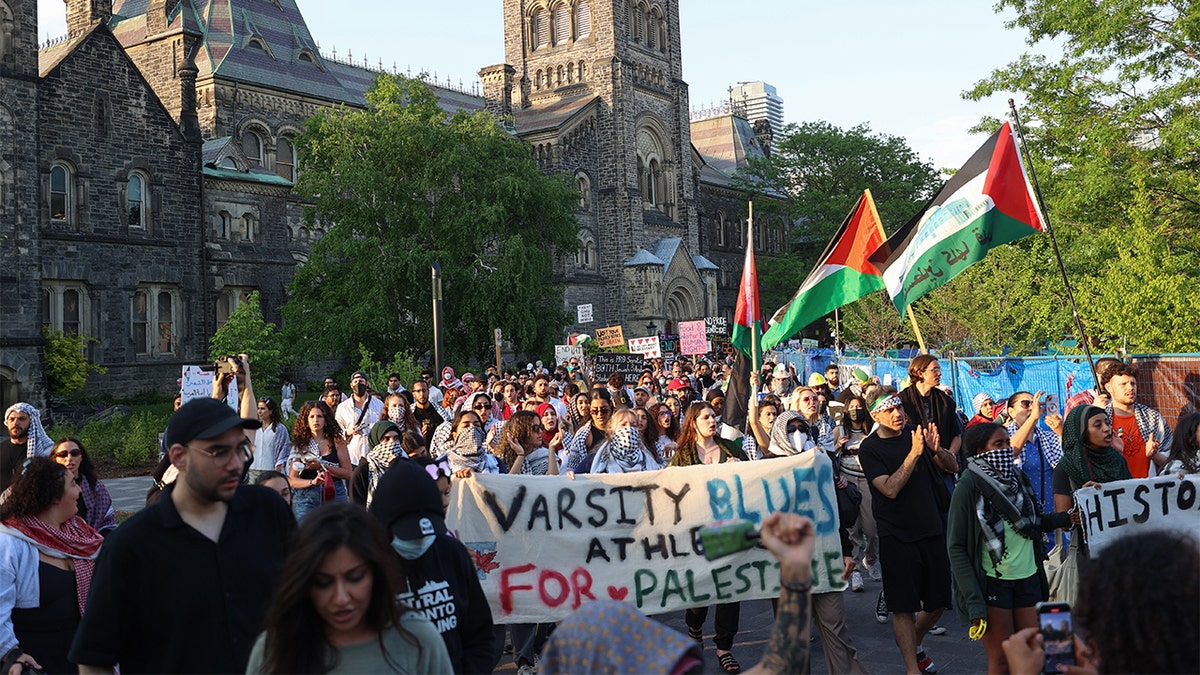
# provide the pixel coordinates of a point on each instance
(903, 465)
(184, 585)
(26, 438)
(425, 412)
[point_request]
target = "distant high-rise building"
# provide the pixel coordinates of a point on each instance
(758, 101)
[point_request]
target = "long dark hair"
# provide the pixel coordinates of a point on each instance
(847, 423)
(518, 428)
(672, 431)
(87, 468)
(39, 485)
(301, 434)
(688, 436)
(1183, 446)
(295, 641)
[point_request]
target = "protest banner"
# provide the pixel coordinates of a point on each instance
(544, 545)
(629, 365)
(668, 343)
(583, 313)
(1120, 508)
(716, 327)
(197, 383)
(564, 353)
(613, 336)
(646, 346)
(692, 339)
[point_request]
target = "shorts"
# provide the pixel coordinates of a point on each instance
(916, 575)
(1013, 593)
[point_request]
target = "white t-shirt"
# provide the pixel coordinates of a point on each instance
(264, 449)
(347, 415)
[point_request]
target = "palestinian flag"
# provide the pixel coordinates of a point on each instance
(842, 274)
(989, 202)
(746, 324)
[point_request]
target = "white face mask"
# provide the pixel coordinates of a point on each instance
(411, 549)
(800, 440)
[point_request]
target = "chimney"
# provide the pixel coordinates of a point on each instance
(189, 120)
(497, 90)
(83, 14)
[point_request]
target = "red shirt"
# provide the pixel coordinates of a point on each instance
(1126, 427)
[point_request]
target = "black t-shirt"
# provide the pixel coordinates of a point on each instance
(12, 456)
(1061, 482)
(167, 599)
(913, 514)
(428, 413)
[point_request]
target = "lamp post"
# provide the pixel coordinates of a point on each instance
(652, 329)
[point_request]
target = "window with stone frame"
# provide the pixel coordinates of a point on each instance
(65, 307)
(585, 256)
(562, 24)
(253, 149)
(247, 227)
(285, 158)
(721, 241)
(539, 29)
(62, 187)
(230, 299)
(154, 320)
(223, 225)
(583, 21)
(585, 191)
(137, 200)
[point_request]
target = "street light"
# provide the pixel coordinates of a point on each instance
(652, 329)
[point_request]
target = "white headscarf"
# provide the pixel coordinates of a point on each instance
(40, 444)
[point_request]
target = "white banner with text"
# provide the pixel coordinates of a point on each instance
(1124, 507)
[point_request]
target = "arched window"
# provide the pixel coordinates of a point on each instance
(582, 71)
(561, 80)
(540, 29)
(639, 25)
(585, 257)
(585, 191)
(537, 80)
(721, 241)
(285, 158)
(247, 227)
(570, 72)
(223, 225)
(252, 147)
(651, 31)
(562, 24)
(61, 185)
(662, 36)
(137, 195)
(583, 20)
(652, 193)
(629, 21)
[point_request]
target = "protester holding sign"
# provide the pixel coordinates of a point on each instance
(699, 444)
(994, 540)
(1089, 459)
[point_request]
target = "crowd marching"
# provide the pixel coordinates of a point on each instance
(279, 540)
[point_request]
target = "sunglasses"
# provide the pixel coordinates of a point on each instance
(481, 407)
(1026, 403)
(265, 400)
(63, 454)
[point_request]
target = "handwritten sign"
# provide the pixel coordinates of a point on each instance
(669, 343)
(564, 353)
(583, 313)
(716, 326)
(646, 346)
(612, 336)
(197, 383)
(544, 545)
(629, 365)
(1125, 507)
(692, 339)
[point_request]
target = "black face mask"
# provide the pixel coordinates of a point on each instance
(858, 415)
(360, 388)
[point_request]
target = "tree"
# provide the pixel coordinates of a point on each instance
(247, 332)
(817, 172)
(402, 186)
(66, 366)
(872, 325)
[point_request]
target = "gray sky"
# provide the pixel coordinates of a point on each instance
(899, 66)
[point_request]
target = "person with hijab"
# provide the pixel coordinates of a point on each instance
(1088, 459)
(994, 540)
(554, 435)
(593, 434)
(385, 441)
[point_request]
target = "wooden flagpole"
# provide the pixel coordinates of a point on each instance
(1087, 349)
(913, 318)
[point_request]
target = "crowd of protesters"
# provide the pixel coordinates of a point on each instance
(313, 545)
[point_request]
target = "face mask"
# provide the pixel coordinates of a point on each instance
(799, 439)
(858, 415)
(411, 549)
(360, 388)
(396, 416)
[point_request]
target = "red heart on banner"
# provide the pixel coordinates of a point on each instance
(617, 593)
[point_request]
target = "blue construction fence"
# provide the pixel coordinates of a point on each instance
(1170, 383)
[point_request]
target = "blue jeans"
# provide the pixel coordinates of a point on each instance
(306, 499)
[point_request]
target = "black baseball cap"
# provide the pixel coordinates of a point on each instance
(204, 418)
(407, 501)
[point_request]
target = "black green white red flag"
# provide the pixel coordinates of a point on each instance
(842, 274)
(989, 202)
(747, 326)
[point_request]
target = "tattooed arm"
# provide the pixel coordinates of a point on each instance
(790, 538)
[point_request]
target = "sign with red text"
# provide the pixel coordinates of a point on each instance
(1124, 507)
(613, 336)
(692, 339)
(646, 346)
(544, 545)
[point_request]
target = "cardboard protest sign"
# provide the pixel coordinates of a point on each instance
(612, 336)
(564, 353)
(1125, 507)
(668, 343)
(646, 346)
(716, 327)
(197, 383)
(544, 545)
(692, 339)
(629, 365)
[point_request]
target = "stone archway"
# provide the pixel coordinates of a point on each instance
(683, 304)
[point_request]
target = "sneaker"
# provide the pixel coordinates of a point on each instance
(937, 630)
(881, 610)
(874, 572)
(856, 582)
(925, 663)
(526, 669)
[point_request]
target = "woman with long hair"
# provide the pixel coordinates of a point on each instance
(272, 445)
(317, 449)
(554, 436)
(95, 504)
(661, 431)
(335, 608)
(1089, 459)
(522, 446)
(625, 452)
(994, 539)
(700, 444)
(578, 413)
(593, 435)
(1184, 454)
(397, 409)
(847, 437)
(48, 555)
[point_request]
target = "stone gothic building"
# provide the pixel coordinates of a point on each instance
(147, 159)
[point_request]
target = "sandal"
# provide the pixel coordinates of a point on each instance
(728, 663)
(696, 634)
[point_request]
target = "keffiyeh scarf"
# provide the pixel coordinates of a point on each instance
(624, 453)
(606, 636)
(467, 451)
(1004, 495)
(76, 541)
(378, 460)
(40, 444)
(781, 442)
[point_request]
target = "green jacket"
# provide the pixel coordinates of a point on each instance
(964, 543)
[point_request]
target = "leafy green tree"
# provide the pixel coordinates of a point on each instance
(401, 185)
(247, 332)
(377, 372)
(872, 325)
(67, 368)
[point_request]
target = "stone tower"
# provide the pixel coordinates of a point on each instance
(597, 89)
(20, 257)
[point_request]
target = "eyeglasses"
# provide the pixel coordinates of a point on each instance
(224, 452)
(934, 369)
(63, 454)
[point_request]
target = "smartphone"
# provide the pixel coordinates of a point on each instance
(1054, 618)
(1051, 402)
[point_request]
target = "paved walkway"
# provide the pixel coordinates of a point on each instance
(129, 494)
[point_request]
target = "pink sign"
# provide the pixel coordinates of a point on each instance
(692, 339)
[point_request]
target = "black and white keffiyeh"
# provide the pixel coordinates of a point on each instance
(467, 451)
(624, 453)
(1004, 495)
(378, 460)
(39, 444)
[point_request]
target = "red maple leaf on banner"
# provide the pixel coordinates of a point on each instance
(484, 562)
